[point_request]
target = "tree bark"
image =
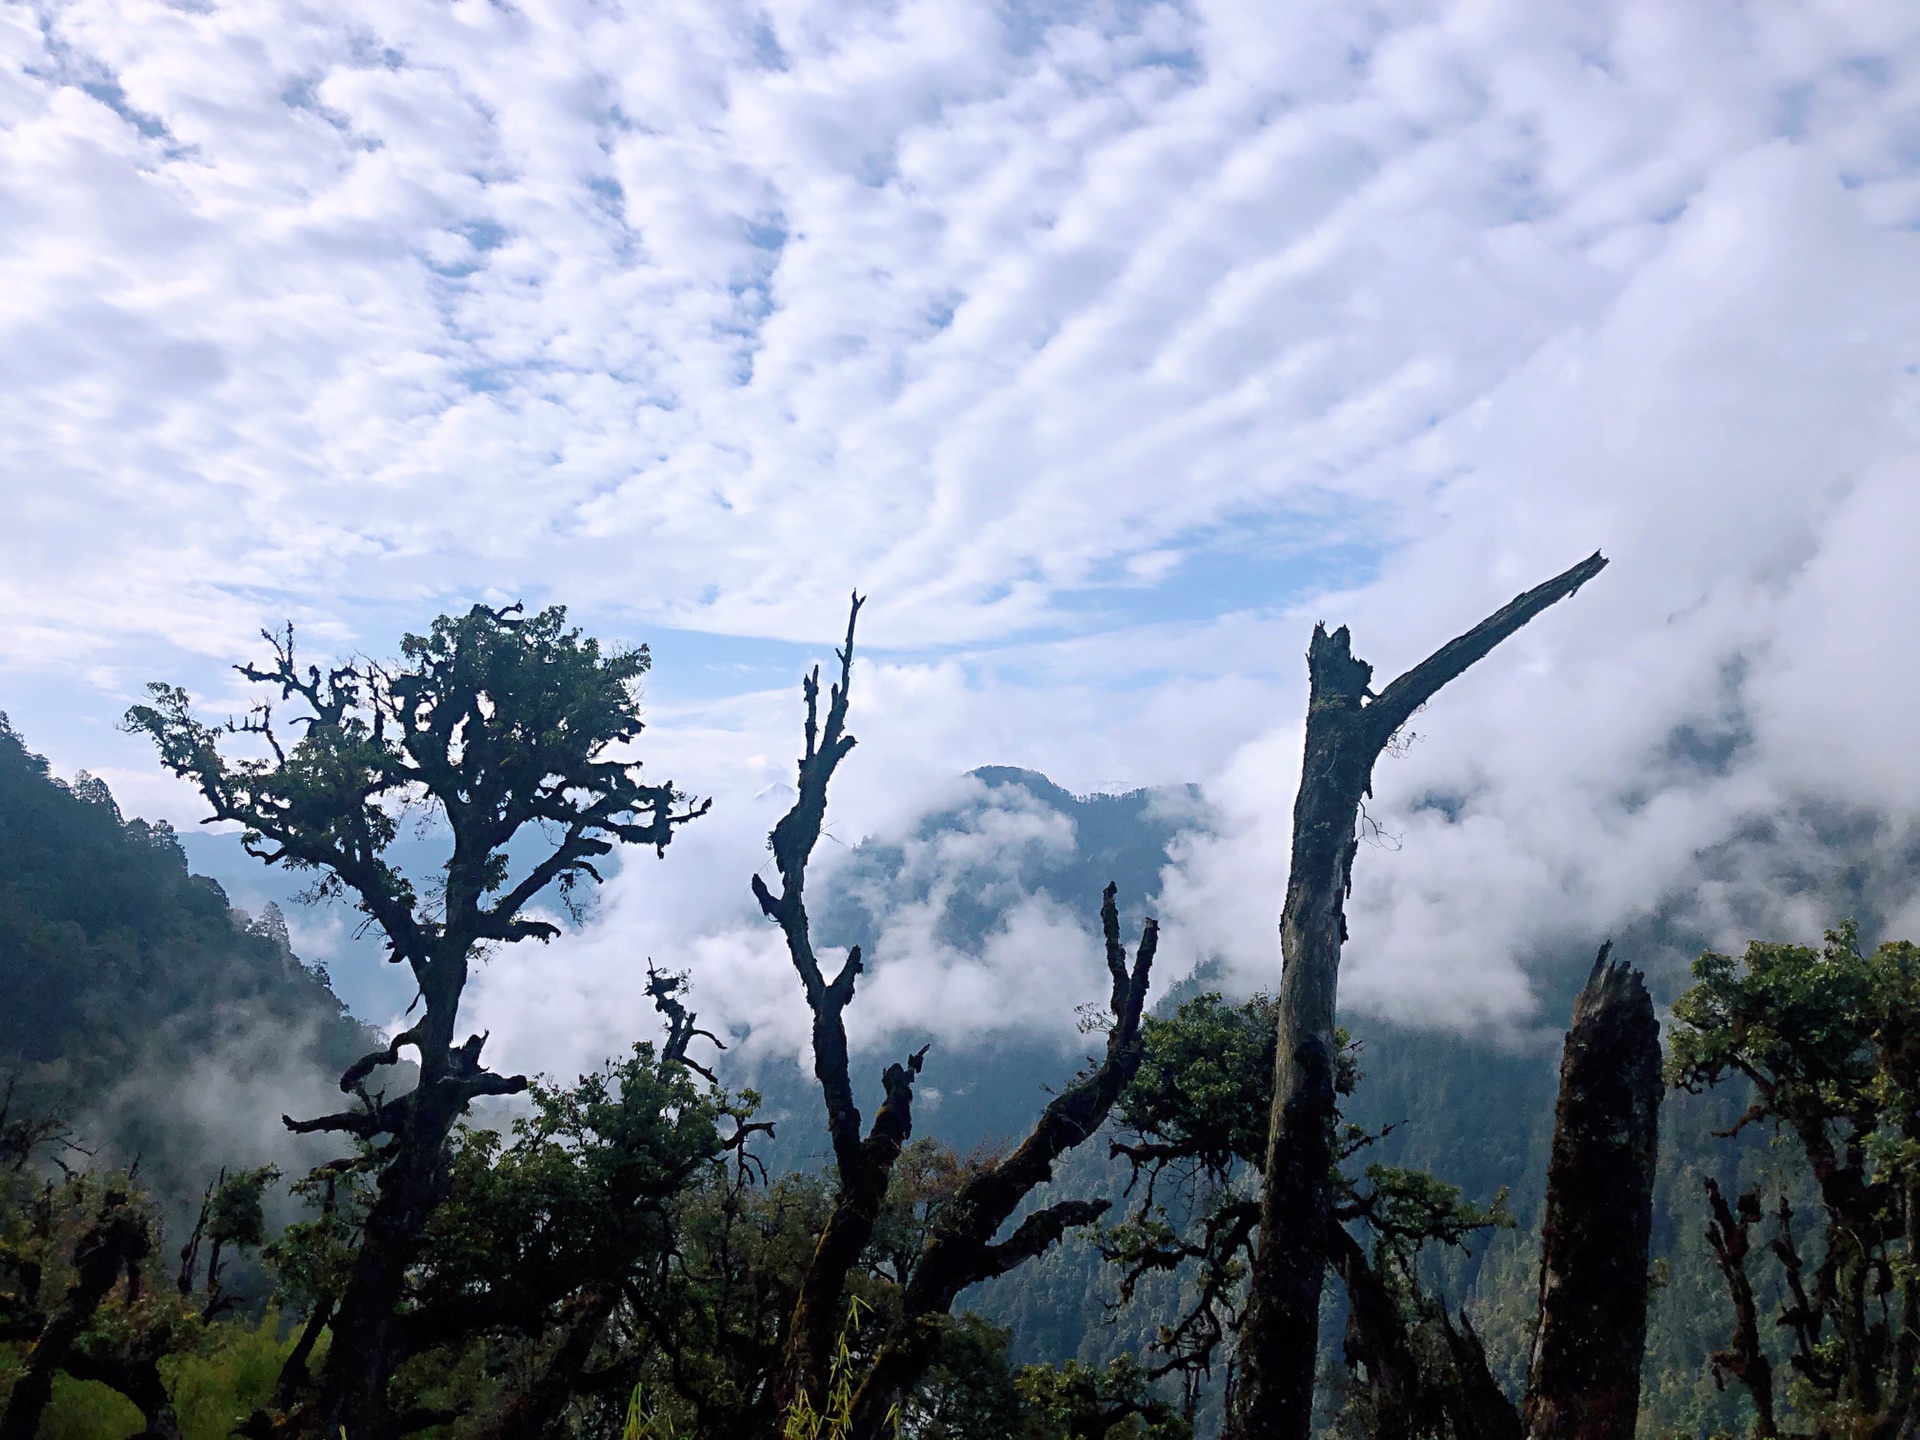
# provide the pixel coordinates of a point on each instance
(1475, 1404)
(864, 1163)
(820, 1312)
(1377, 1338)
(1347, 728)
(1584, 1382)
(367, 1346)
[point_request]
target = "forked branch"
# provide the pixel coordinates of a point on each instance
(961, 1251)
(864, 1163)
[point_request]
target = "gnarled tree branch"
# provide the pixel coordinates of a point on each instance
(961, 1251)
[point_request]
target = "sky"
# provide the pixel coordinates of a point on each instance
(1105, 346)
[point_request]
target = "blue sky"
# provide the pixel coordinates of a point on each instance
(1105, 345)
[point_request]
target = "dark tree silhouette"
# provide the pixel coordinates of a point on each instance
(960, 1249)
(498, 723)
(863, 1164)
(1584, 1382)
(1347, 728)
(113, 1245)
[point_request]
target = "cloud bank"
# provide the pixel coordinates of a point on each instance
(1108, 345)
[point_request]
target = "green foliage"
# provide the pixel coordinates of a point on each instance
(1194, 1132)
(835, 1421)
(620, 1203)
(230, 1376)
(1801, 1023)
(88, 1410)
(214, 1387)
(1206, 1083)
(234, 1214)
(1076, 1402)
(1408, 1210)
(311, 1257)
(724, 1312)
(494, 720)
(970, 1390)
(145, 1331)
(586, 1191)
(1829, 1042)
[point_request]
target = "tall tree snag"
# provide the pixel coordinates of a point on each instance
(1592, 1329)
(863, 1163)
(1347, 728)
(961, 1250)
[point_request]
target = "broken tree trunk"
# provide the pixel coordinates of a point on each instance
(1347, 728)
(1584, 1382)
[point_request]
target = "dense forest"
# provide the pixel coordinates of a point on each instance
(1697, 1227)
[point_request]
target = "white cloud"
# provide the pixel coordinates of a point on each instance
(1107, 344)
(1738, 430)
(1036, 961)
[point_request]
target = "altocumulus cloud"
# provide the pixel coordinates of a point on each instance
(1108, 345)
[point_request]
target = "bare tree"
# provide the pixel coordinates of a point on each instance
(864, 1163)
(1348, 725)
(961, 1249)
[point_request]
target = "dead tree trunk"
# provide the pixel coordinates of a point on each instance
(864, 1162)
(1347, 728)
(1475, 1404)
(961, 1251)
(1584, 1382)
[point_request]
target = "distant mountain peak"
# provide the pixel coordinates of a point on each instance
(1031, 780)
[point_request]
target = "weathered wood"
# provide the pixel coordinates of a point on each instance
(1476, 1406)
(1592, 1329)
(1347, 728)
(863, 1163)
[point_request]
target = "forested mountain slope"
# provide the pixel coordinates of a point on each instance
(178, 1029)
(1475, 1111)
(165, 1024)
